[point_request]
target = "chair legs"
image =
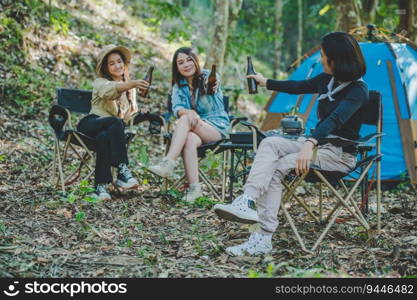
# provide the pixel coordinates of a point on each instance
(60, 156)
(342, 203)
(204, 178)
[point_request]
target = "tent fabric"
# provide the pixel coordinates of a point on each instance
(404, 61)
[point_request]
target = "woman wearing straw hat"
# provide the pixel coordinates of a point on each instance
(113, 104)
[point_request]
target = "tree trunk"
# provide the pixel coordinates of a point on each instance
(300, 29)
(215, 54)
(278, 37)
(408, 19)
(234, 8)
(347, 13)
(369, 11)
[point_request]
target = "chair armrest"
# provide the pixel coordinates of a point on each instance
(253, 127)
(340, 141)
(167, 116)
(155, 120)
(365, 148)
(370, 137)
(236, 120)
(142, 117)
(59, 117)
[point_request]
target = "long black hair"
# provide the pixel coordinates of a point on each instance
(176, 75)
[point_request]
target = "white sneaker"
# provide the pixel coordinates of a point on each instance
(242, 210)
(165, 168)
(193, 192)
(257, 244)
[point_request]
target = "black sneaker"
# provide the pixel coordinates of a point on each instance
(125, 179)
(101, 192)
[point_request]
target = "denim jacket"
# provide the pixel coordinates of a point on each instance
(210, 108)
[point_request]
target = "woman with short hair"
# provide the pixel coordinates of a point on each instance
(342, 93)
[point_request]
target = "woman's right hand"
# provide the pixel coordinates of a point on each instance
(193, 118)
(140, 84)
(259, 78)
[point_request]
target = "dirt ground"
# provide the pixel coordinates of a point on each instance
(148, 233)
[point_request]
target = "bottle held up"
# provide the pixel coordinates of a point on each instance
(252, 85)
(211, 81)
(148, 78)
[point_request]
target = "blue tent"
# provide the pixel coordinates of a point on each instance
(391, 70)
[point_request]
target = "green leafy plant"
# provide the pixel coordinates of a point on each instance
(3, 228)
(204, 202)
(80, 216)
(269, 272)
(173, 194)
(143, 155)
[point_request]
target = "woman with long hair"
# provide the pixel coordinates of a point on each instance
(201, 119)
(112, 106)
(342, 94)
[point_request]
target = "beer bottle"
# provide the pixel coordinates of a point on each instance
(201, 84)
(252, 85)
(211, 82)
(148, 78)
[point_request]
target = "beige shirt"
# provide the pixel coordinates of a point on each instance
(107, 101)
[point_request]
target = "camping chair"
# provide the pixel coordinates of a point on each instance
(72, 101)
(202, 151)
(372, 115)
(240, 149)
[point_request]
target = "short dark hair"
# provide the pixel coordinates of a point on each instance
(176, 75)
(344, 56)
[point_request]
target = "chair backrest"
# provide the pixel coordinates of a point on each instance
(372, 112)
(226, 103)
(78, 101)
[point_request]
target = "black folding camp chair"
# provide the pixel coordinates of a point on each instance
(78, 102)
(242, 147)
(202, 151)
(372, 115)
(239, 151)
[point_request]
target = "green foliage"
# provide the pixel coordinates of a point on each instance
(212, 164)
(147, 255)
(269, 272)
(80, 216)
(204, 202)
(273, 270)
(3, 228)
(157, 12)
(60, 21)
(172, 193)
(82, 192)
(143, 155)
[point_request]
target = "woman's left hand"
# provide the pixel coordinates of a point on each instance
(304, 157)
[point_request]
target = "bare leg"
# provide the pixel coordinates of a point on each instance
(190, 158)
(179, 137)
(201, 133)
(206, 132)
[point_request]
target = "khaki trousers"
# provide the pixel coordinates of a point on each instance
(275, 158)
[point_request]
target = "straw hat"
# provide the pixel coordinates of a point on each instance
(106, 50)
